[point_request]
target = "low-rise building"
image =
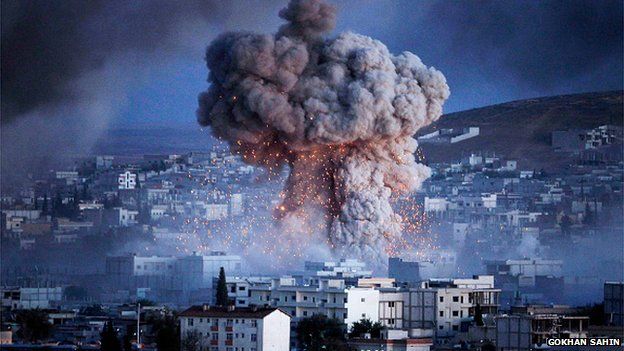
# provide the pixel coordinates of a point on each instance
(231, 328)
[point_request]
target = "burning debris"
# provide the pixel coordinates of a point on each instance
(340, 113)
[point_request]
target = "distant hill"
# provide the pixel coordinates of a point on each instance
(522, 129)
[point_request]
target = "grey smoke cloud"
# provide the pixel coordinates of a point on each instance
(67, 66)
(340, 112)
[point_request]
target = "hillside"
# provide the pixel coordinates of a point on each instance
(521, 129)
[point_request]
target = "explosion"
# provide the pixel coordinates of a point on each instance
(341, 113)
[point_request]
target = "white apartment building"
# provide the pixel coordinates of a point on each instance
(127, 180)
(238, 288)
(362, 303)
(300, 301)
(242, 329)
(457, 299)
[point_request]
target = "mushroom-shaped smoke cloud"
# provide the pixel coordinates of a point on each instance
(341, 113)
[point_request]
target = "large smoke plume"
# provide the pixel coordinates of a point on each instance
(340, 113)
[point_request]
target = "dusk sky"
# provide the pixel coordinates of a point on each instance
(147, 58)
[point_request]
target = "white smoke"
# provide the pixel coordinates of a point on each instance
(341, 113)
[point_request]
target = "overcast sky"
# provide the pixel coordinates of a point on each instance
(144, 60)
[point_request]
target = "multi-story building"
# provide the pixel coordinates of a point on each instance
(403, 271)
(348, 269)
(31, 298)
(457, 299)
(527, 281)
(239, 288)
(614, 303)
(197, 271)
(300, 301)
(127, 180)
(231, 328)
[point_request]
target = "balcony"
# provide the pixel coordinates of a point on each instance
(229, 328)
(229, 342)
(214, 342)
(214, 328)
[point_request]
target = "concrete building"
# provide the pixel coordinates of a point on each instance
(197, 271)
(328, 297)
(526, 332)
(127, 180)
(239, 288)
(243, 329)
(362, 303)
(345, 268)
(31, 298)
(457, 299)
(527, 281)
(614, 303)
(391, 340)
(403, 271)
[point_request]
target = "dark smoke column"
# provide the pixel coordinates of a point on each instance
(341, 113)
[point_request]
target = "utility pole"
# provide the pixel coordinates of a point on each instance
(138, 325)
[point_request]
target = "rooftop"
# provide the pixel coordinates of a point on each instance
(222, 312)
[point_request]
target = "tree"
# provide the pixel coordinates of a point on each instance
(167, 333)
(85, 192)
(191, 341)
(478, 317)
(127, 341)
(366, 326)
(44, 206)
(588, 218)
(321, 333)
(222, 292)
(57, 207)
(34, 325)
(109, 340)
(565, 224)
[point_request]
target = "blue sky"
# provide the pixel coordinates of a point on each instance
(489, 52)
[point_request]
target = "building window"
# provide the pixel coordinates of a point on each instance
(215, 336)
(305, 298)
(363, 300)
(229, 336)
(461, 313)
(391, 321)
(462, 299)
(455, 313)
(254, 323)
(254, 337)
(441, 298)
(229, 322)
(391, 304)
(441, 327)
(441, 313)
(455, 298)
(201, 320)
(305, 313)
(455, 328)
(363, 315)
(190, 322)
